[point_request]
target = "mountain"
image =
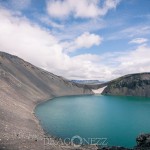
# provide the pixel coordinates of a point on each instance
(22, 87)
(88, 82)
(129, 85)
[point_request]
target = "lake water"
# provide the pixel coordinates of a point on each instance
(119, 119)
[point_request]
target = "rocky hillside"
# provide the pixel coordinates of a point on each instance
(130, 85)
(22, 87)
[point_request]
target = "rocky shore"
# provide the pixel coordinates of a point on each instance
(143, 143)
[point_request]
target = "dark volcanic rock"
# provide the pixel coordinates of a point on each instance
(130, 85)
(143, 141)
(114, 148)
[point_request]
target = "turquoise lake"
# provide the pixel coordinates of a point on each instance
(119, 119)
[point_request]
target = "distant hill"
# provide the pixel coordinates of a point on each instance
(129, 85)
(87, 81)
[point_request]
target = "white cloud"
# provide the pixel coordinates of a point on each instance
(136, 30)
(29, 40)
(137, 60)
(108, 5)
(131, 32)
(40, 47)
(80, 8)
(86, 40)
(137, 56)
(37, 45)
(139, 40)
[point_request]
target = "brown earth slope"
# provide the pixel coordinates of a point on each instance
(22, 87)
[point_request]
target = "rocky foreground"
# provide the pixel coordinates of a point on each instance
(23, 86)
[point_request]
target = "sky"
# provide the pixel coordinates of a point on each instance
(78, 39)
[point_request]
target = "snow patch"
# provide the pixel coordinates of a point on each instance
(99, 91)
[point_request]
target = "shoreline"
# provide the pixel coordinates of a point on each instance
(44, 101)
(55, 138)
(38, 103)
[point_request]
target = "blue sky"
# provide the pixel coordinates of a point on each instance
(79, 39)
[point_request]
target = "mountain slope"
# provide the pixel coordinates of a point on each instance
(130, 85)
(22, 87)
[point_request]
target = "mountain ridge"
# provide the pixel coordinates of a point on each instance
(137, 84)
(22, 87)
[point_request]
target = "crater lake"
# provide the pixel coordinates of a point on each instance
(117, 118)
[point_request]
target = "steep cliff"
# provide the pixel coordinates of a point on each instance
(130, 85)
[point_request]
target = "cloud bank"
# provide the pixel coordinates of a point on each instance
(80, 8)
(39, 46)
